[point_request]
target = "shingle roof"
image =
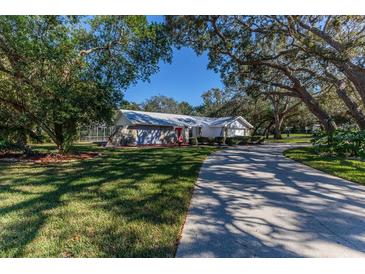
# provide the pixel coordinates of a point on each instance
(222, 121)
(167, 119)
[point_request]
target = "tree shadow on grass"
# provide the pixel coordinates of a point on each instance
(350, 169)
(149, 186)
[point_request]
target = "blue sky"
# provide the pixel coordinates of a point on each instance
(185, 79)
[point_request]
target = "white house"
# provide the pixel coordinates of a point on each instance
(152, 128)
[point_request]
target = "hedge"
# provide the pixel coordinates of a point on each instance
(237, 140)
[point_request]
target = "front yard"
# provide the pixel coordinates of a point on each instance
(293, 138)
(352, 170)
(126, 203)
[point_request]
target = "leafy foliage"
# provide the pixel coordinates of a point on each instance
(6, 145)
(64, 72)
(342, 142)
(237, 140)
(166, 104)
(129, 105)
(15, 129)
(296, 56)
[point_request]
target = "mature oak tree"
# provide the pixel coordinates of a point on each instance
(62, 72)
(334, 46)
(283, 106)
(337, 39)
(164, 104)
(285, 52)
(213, 100)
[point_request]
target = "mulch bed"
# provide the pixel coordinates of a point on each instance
(46, 157)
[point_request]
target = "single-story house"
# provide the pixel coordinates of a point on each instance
(152, 128)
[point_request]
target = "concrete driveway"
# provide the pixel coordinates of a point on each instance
(253, 202)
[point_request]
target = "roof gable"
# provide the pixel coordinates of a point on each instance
(166, 119)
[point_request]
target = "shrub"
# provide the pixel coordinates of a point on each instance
(219, 140)
(211, 141)
(238, 140)
(230, 141)
(193, 141)
(6, 146)
(206, 140)
(341, 142)
(257, 139)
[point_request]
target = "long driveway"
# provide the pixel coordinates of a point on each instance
(253, 202)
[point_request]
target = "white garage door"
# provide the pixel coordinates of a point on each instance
(211, 132)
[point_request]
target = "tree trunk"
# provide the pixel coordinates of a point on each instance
(56, 135)
(22, 141)
(258, 126)
(354, 73)
(352, 106)
(357, 77)
(59, 138)
(323, 117)
(267, 130)
(277, 129)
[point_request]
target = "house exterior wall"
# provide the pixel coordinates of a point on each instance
(237, 128)
(145, 135)
(211, 132)
(195, 131)
(140, 128)
(155, 135)
(236, 132)
(123, 137)
(237, 125)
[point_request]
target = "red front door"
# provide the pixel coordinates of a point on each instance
(178, 133)
(178, 130)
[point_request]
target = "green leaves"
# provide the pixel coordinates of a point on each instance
(166, 104)
(67, 71)
(123, 49)
(342, 142)
(289, 54)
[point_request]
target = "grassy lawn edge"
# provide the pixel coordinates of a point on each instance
(126, 203)
(348, 169)
(294, 138)
(213, 151)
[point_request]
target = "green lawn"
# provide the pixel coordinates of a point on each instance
(126, 203)
(293, 138)
(353, 170)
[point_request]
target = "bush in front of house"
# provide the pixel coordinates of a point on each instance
(6, 146)
(219, 140)
(193, 141)
(206, 140)
(230, 141)
(257, 139)
(341, 142)
(238, 140)
(209, 140)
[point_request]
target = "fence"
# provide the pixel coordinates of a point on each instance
(96, 134)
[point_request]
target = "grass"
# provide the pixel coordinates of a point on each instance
(352, 170)
(126, 203)
(293, 138)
